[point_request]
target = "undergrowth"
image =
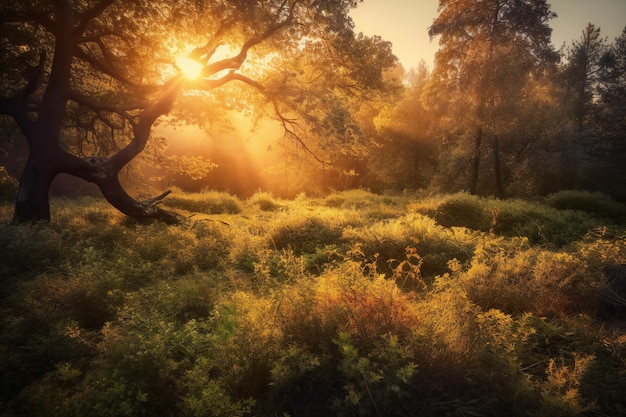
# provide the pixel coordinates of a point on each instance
(355, 304)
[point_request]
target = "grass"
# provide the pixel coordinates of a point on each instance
(354, 304)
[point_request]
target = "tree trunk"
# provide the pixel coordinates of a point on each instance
(497, 168)
(33, 202)
(476, 161)
(46, 158)
(42, 167)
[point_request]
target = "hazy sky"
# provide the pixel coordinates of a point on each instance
(405, 23)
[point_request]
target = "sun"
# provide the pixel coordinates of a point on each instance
(190, 68)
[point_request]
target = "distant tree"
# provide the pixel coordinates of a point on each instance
(582, 73)
(402, 154)
(86, 80)
(488, 51)
(609, 142)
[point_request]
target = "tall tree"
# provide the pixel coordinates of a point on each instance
(609, 144)
(488, 49)
(582, 73)
(85, 80)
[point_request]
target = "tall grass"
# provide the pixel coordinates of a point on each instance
(355, 304)
(208, 202)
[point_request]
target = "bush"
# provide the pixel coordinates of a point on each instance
(264, 201)
(463, 210)
(360, 199)
(597, 204)
(388, 241)
(516, 278)
(540, 224)
(300, 311)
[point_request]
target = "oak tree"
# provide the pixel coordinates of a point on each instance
(85, 81)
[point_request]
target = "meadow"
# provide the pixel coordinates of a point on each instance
(353, 304)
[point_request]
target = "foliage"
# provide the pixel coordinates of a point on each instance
(388, 240)
(85, 83)
(541, 224)
(462, 209)
(593, 203)
(298, 312)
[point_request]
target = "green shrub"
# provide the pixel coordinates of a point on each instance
(310, 310)
(463, 210)
(388, 241)
(593, 203)
(540, 224)
(31, 248)
(516, 278)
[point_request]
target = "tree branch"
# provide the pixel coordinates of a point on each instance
(104, 67)
(236, 61)
(143, 126)
(17, 106)
(42, 18)
(121, 110)
(91, 14)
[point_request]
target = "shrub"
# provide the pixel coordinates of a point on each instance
(104, 317)
(593, 203)
(512, 276)
(540, 224)
(464, 210)
(360, 199)
(264, 201)
(389, 239)
(31, 248)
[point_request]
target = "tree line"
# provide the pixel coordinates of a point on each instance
(503, 113)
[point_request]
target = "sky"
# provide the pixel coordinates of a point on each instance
(405, 23)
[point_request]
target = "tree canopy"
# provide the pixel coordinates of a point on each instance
(85, 81)
(488, 50)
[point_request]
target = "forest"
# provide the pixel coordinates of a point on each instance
(246, 208)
